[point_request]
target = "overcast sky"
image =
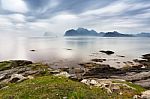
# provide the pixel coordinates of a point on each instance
(34, 17)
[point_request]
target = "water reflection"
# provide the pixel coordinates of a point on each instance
(55, 49)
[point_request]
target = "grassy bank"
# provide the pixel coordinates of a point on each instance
(51, 87)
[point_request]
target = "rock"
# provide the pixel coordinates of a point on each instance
(65, 74)
(75, 78)
(30, 72)
(137, 76)
(68, 49)
(6, 65)
(115, 88)
(143, 83)
(145, 61)
(120, 56)
(102, 71)
(78, 70)
(145, 95)
(136, 97)
(93, 82)
(107, 52)
(3, 76)
(65, 97)
(86, 81)
(136, 69)
(55, 71)
(146, 56)
(17, 78)
(16, 63)
(66, 69)
(107, 84)
(32, 50)
(30, 77)
(88, 65)
(98, 60)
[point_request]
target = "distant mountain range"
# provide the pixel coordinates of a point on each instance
(86, 32)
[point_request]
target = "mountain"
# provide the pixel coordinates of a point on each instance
(116, 34)
(81, 32)
(143, 35)
(71, 32)
(86, 32)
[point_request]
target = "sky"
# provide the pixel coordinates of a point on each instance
(34, 17)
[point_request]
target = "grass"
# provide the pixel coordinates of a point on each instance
(51, 87)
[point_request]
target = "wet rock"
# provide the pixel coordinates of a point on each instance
(146, 56)
(102, 71)
(88, 65)
(98, 60)
(17, 78)
(32, 50)
(137, 76)
(107, 52)
(68, 49)
(145, 61)
(120, 56)
(136, 69)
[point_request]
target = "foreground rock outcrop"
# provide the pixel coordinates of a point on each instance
(101, 76)
(138, 74)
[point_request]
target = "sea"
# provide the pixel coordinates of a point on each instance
(70, 51)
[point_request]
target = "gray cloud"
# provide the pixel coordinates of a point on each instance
(38, 16)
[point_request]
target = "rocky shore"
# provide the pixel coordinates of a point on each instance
(93, 73)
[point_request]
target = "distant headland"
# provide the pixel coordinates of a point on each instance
(86, 32)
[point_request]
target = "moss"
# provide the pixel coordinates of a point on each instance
(5, 65)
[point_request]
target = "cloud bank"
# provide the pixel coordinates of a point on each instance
(34, 17)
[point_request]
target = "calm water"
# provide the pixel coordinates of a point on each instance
(54, 50)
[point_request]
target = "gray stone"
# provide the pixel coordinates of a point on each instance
(145, 94)
(65, 74)
(17, 78)
(137, 76)
(144, 83)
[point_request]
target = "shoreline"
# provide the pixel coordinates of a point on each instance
(94, 72)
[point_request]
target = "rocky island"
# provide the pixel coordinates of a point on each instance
(86, 32)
